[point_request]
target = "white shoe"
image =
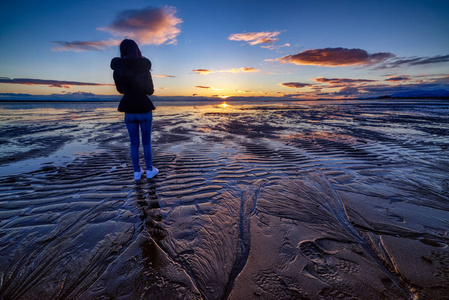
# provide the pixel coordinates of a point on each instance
(138, 175)
(154, 171)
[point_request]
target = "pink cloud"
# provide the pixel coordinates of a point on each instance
(147, 26)
(254, 38)
(442, 80)
(274, 47)
(164, 76)
(398, 78)
(333, 57)
(150, 25)
(239, 70)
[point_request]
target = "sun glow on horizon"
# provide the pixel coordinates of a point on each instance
(234, 60)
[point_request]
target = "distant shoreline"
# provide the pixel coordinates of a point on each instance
(223, 100)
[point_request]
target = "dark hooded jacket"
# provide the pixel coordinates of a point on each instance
(132, 78)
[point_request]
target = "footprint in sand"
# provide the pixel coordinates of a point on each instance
(275, 286)
(340, 292)
(263, 222)
(441, 260)
(347, 266)
(312, 251)
(99, 286)
(320, 269)
(287, 254)
(185, 256)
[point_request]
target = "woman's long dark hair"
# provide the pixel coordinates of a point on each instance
(129, 49)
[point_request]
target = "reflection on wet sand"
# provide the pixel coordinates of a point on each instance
(292, 201)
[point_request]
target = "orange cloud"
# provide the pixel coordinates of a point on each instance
(250, 70)
(333, 57)
(202, 71)
(148, 26)
(239, 70)
(254, 38)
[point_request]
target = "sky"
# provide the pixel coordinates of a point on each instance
(257, 49)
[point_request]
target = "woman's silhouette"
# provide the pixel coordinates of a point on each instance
(132, 78)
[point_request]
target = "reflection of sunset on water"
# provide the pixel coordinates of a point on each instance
(321, 175)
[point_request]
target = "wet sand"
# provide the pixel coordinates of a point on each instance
(342, 200)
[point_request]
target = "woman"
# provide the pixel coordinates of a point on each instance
(132, 78)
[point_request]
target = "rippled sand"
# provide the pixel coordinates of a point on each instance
(342, 200)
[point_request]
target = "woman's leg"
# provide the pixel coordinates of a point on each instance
(146, 142)
(133, 131)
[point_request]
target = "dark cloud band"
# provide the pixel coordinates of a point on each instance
(49, 82)
(416, 61)
(295, 84)
(341, 80)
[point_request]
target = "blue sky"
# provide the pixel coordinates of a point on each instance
(285, 49)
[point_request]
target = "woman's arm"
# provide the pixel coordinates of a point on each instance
(118, 83)
(116, 75)
(149, 86)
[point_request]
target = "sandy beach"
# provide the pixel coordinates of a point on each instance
(293, 200)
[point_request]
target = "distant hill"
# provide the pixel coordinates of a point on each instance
(440, 93)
